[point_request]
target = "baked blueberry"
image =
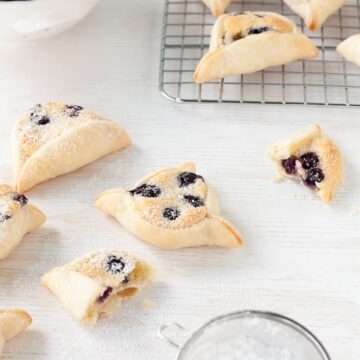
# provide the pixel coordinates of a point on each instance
(315, 175)
(73, 110)
(258, 30)
(146, 190)
(39, 119)
(4, 217)
(115, 265)
(309, 160)
(289, 165)
(171, 213)
(195, 201)
(187, 178)
(105, 295)
(21, 198)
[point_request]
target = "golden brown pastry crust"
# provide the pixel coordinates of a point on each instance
(217, 7)
(55, 139)
(312, 139)
(17, 218)
(350, 49)
(97, 283)
(12, 322)
(314, 12)
(176, 216)
(237, 47)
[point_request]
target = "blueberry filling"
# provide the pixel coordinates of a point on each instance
(146, 190)
(39, 119)
(315, 175)
(171, 214)
(258, 30)
(289, 165)
(309, 160)
(188, 178)
(105, 295)
(195, 201)
(4, 217)
(115, 265)
(73, 110)
(21, 198)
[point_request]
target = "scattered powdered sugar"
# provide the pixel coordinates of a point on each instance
(244, 347)
(248, 337)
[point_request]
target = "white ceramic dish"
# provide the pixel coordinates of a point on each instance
(22, 21)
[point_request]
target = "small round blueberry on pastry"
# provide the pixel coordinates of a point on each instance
(247, 42)
(172, 208)
(55, 138)
(97, 283)
(17, 218)
(13, 321)
(311, 158)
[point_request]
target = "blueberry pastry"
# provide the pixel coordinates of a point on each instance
(172, 208)
(314, 12)
(217, 7)
(17, 218)
(97, 283)
(55, 139)
(12, 322)
(350, 49)
(311, 158)
(247, 42)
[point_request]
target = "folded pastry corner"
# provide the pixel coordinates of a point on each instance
(17, 218)
(97, 283)
(217, 7)
(12, 322)
(311, 158)
(172, 208)
(247, 42)
(350, 49)
(314, 12)
(55, 139)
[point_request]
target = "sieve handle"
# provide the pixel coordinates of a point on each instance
(174, 334)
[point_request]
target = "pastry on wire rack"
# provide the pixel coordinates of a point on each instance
(171, 208)
(217, 7)
(97, 283)
(350, 49)
(17, 218)
(12, 322)
(314, 12)
(247, 42)
(55, 139)
(310, 158)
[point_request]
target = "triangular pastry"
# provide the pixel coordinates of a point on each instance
(172, 208)
(247, 42)
(17, 218)
(97, 283)
(12, 322)
(55, 139)
(217, 7)
(350, 49)
(311, 158)
(314, 12)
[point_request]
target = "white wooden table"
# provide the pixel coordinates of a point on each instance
(301, 258)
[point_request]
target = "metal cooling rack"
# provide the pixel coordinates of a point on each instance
(327, 80)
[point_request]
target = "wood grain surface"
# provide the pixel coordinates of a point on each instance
(301, 258)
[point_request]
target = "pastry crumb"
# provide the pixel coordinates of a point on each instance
(148, 304)
(277, 178)
(355, 211)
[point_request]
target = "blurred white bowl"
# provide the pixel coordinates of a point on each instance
(22, 21)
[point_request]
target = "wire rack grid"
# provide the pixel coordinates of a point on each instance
(327, 80)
